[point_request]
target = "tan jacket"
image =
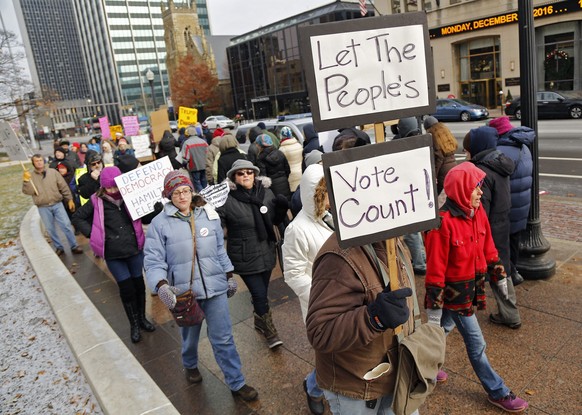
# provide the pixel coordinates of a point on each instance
(51, 188)
(346, 345)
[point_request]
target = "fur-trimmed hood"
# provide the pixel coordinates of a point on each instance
(266, 181)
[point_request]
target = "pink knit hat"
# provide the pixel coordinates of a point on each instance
(501, 124)
(108, 175)
(175, 179)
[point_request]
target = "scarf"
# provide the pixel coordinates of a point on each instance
(254, 197)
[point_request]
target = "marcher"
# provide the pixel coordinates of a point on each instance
(186, 225)
(213, 150)
(254, 149)
(122, 149)
(70, 156)
(293, 152)
(88, 183)
(194, 156)
(310, 142)
(444, 145)
(181, 137)
(119, 240)
(107, 150)
(480, 145)
(303, 238)
(276, 142)
(228, 154)
(82, 153)
(167, 147)
(515, 143)
(350, 323)
(459, 253)
(273, 164)
(249, 214)
(48, 189)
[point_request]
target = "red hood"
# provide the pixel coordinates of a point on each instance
(460, 182)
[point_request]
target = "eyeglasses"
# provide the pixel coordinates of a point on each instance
(95, 163)
(184, 192)
(241, 173)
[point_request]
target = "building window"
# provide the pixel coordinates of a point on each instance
(559, 62)
(480, 71)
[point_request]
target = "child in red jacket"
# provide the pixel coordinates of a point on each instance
(459, 253)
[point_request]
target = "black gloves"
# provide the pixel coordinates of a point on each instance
(389, 310)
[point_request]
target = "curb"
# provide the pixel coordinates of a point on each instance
(119, 382)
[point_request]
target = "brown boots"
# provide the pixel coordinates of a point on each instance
(265, 325)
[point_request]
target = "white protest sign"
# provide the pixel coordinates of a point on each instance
(142, 187)
(382, 191)
(368, 71)
(141, 146)
(215, 195)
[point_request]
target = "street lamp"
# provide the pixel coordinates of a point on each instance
(150, 78)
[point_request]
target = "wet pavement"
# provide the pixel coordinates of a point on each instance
(541, 362)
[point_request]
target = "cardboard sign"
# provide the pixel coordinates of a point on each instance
(130, 125)
(104, 125)
(215, 195)
(365, 71)
(160, 123)
(11, 144)
(187, 116)
(141, 147)
(142, 188)
(383, 190)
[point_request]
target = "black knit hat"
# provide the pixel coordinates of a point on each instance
(127, 162)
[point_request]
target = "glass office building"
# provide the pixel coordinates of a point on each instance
(265, 66)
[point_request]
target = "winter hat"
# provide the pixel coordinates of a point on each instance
(191, 131)
(429, 122)
(408, 127)
(127, 162)
(121, 141)
(313, 157)
(219, 132)
(76, 145)
(175, 179)
(241, 164)
(286, 133)
(264, 140)
(65, 143)
(92, 156)
(62, 165)
(480, 139)
(501, 124)
(262, 125)
(60, 150)
(108, 175)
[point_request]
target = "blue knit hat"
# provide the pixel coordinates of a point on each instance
(264, 140)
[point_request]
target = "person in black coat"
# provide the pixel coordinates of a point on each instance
(254, 149)
(88, 183)
(229, 153)
(480, 145)
(310, 142)
(167, 147)
(273, 164)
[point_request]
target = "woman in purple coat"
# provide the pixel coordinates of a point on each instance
(118, 239)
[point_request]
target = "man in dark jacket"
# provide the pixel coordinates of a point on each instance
(480, 144)
(88, 183)
(254, 149)
(515, 143)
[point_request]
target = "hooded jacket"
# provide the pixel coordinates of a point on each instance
(213, 150)
(459, 251)
(303, 238)
(169, 249)
(516, 144)
(311, 141)
(293, 152)
(496, 198)
(273, 164)
(444, 146)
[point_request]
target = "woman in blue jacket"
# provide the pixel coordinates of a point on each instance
(169, 262)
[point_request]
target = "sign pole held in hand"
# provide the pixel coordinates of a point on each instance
(31, 182)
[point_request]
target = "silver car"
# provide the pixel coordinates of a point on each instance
(219, 121)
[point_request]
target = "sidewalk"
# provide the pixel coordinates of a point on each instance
(542, 361)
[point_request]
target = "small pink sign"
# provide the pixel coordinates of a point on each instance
(130, 125)
(104, 124)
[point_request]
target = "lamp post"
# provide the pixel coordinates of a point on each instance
(150, 78)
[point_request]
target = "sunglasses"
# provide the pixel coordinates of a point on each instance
(241, 173)
(95, 163)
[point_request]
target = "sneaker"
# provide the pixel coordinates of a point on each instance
(442, 376)
(193, 375)
(496, 319)
(516, 279)
(246, 393)
(274, 342)
(315, 405)
(77, 250)
(59, 251)
(510, 403)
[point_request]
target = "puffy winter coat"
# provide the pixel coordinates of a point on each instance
(273, 164)
(169, 249)
(515, 145)
(303, 238)
(248, 253)
(444, 146)
(293, 152)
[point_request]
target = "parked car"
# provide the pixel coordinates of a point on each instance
(550, 105)
(219, 121)
(455, 109)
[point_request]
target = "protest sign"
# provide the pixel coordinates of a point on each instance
(141, 147)
(215, 195)
(187, 116)
(368, 70)
(11, 144)
(160, 122)
(142, 187)
(113, 129)
(130, 125)
(383, 190)
(104, 125)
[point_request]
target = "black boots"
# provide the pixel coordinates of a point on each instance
(265, 325)
(131, 311)
(132, 293)
(144, 324)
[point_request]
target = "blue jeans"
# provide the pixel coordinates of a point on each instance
(199, 179)
(258, 285)
(475, 344)
(125, 268)
(57, 213)
(312, 389)
(342, 405)
(416, 247)
(219, 329)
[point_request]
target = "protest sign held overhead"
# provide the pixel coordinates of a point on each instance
(383, 190)
(104, 125)
(368, 70)
(130, 125)
(141, 188)
(187, 116)
(141, 147)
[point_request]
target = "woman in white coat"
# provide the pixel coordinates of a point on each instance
(303, 238)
